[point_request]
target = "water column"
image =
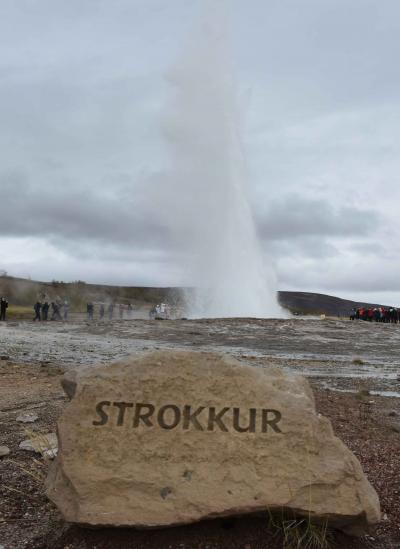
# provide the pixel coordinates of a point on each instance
(211, 216)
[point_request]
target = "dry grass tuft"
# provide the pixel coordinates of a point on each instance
(301, 533)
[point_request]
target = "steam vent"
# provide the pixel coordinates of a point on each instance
(175, 437)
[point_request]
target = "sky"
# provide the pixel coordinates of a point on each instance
(84, 90)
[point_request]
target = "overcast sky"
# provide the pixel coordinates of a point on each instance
(83, 91)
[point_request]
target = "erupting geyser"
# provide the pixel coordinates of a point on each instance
(211, 216)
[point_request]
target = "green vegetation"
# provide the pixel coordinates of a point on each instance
(19, 312)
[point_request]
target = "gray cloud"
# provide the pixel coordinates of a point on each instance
(295, 217)
(78, 214)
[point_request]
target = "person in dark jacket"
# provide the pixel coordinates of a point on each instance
(101, 311)
(37, 308)
(45, 310)
(3, 308)
(90, 310)
(56, 311)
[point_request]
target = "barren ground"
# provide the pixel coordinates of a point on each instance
(340, 358)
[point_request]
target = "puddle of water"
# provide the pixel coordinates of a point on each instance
(325, 385)
(337, 373)
(395, 394)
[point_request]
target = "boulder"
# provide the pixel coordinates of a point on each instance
(174, 437)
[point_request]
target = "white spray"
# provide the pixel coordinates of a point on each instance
(209, 212)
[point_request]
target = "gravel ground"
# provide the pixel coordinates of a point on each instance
(339, 354)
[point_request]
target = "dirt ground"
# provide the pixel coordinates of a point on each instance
(34, 357)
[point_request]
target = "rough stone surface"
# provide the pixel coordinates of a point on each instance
(69, 383)
(119, 464)
(4, 451)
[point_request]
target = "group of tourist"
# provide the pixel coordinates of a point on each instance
(59, 310)
(125, 311)
(389, 315)
(160, 311)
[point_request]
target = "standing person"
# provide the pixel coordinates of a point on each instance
(3, 308)
(387, 316)
(101, 311)
(37, 308)
(110, 311)
(121, 311)
(130, 310)
(56, 311)
(66, 309)
(45, 310)
(90, 310)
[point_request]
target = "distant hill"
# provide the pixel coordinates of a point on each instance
(310, 303)
(24, 292)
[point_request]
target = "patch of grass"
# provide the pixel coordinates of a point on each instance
(36, 471)
(301, 533)
(358, 361)
(19, 311)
